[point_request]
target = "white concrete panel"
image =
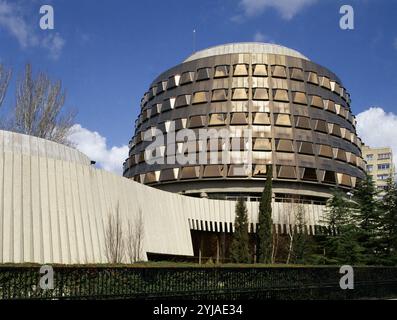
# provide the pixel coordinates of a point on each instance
(17, 216)
(8, 250)
(54, 208)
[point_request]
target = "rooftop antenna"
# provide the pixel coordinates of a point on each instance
(194, 40)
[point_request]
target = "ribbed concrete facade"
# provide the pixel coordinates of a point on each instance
(54, 207)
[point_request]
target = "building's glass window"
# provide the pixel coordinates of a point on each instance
(370, 167)
(383, 166)
(370, 157)
(384, 156)
(383, 176)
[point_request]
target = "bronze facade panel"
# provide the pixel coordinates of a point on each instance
(238, 91)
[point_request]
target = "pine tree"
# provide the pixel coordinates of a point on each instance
(368, 219)
(337, 211)
(342, 244)
(239, 250)
(265, 223)
(302, 247)
(388, 228)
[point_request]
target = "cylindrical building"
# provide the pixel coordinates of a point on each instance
(297, 113)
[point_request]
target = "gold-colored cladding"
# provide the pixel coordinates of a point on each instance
(150, 177)
(217, 119)
(261, 118)
(317, 102)
(283, 145)
(330, 106)
(260, 70)
(213, 171)
(261, 94)
(334, 129)
(219, 95)
(282, 120)
(340, 154)
(312, 78)
(168, 174)
(182, 100)
(187, 77)
(262, 144)
(344, 179)
(300, 98)
(236, 170)
(306, 148)
(297, 74)
(197, 121)
(325, 151)
(200, 97)
(280, 95)
(302, 123)
(203, 74)
(240, 70)
(239, 112)
(325, 83)
(190, 172)
(221, 71)
(239, 118)
(286, 172)
(279, 72)
(240, 94)
(321, 126)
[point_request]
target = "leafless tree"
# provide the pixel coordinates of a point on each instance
(39, 108)
(288, 220)
(275, 241)
(5, 76)
(135, 235)
(114, 240)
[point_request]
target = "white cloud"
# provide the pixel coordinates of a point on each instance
(260, 37)
(12, 20)
(54, 43)
(378, 128)
(287, 8)
(94, 146)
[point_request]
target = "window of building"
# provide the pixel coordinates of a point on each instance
(383, 156)
(383, 176)
(383, 166)
(370, 157)
(370, 167)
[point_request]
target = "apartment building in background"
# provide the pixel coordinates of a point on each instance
(379, 164)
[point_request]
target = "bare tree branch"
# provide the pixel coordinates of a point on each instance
(39, 108)
(114, 241)
(5, 76)
(135, 234)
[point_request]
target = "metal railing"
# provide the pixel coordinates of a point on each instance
(196, 283)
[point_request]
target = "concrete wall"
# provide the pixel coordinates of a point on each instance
(54, 207)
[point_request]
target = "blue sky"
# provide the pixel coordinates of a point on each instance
(107, 52)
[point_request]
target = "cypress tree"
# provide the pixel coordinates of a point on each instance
(265, 223)
(239, 250)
